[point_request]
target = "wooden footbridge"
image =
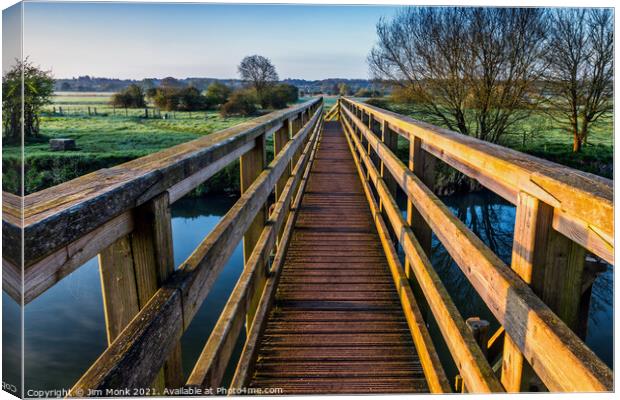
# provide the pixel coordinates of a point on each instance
(337, 291)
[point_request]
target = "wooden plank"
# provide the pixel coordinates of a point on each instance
(585, 199)
(185, 186)
(390, 138)
(212, 362)
(45, 273)
(12, 280)
(118, 287)
(133, 268)
(529, 250)
(472, 364)
(433, 370)
(252, 164)
(325, 301)
(247, 359)
(509, 298)
(422, 165)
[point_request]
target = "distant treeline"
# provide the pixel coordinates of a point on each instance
(326, 86)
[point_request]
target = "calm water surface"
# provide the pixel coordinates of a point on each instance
(65, 327)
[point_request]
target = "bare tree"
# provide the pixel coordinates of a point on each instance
(259, 72)
(580, 74)
(470, 69)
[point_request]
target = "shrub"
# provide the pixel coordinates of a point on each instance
(241, 102)
(280, 95)
(218, 93)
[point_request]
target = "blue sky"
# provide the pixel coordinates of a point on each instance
(157, 40)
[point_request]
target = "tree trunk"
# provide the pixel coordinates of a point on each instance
(577, 142)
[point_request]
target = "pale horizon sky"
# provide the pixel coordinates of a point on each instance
(138, 40)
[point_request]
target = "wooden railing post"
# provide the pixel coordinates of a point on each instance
(390, 138)
(422, 165)
(553, 265)
(252, 164)
(133, 268)
(280, 138)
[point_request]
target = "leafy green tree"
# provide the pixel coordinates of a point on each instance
(280, 95)
(130, 97)
(190, 100)
(241, 102)
(38, 88)
(218, 93)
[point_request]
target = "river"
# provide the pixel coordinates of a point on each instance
(65, 327)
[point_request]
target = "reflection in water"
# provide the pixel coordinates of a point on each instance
(65, 327)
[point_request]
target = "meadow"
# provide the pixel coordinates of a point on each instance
(109, 137)
(541, 136)
(106, 136)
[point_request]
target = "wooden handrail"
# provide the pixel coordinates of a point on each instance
(247, 359)
(66, 225)
(510, 299)
(139, 352)
(473, 366)
(210, 367)
(431, 364)
(583, 202)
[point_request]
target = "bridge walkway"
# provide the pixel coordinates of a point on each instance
(337, 325)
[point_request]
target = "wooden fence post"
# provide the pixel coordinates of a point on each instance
(252, 164)
(280, 138)
(390, 138)
(553, 265)
(133, 268)
(422, 165)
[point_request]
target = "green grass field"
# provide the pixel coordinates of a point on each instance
(108, 138)
(539, 135)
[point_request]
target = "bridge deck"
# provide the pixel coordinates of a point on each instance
(337, 325)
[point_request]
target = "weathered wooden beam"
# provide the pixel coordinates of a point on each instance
(529, 250)
(509, 298)
(47, 272)
(252, 165)
(583, 201)
(118, 286)
(133, 268)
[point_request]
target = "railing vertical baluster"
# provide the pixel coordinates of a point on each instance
(280, 138)
(532, 222)
(553, 265)
(133, 268)
(118, 286)
(390, 138)
(252, 164)
(423, 166)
